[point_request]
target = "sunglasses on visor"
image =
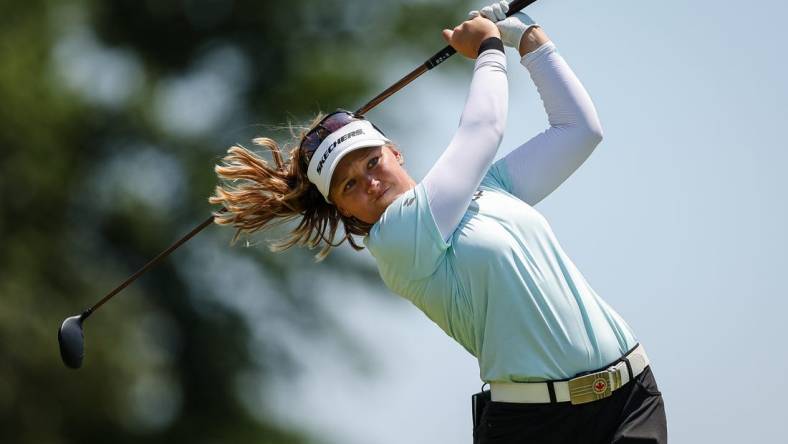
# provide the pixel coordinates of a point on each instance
(325, 127)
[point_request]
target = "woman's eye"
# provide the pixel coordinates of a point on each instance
(372, 162)
(349, 184)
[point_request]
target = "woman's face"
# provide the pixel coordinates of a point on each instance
(367, 181)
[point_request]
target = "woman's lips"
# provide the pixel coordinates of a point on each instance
(381, 194)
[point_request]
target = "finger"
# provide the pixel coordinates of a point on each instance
(473, 14)
(504, 6)
(487, 12)
(500, 14)
(447, 33)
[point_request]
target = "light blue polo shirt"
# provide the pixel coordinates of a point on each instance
(502, 286)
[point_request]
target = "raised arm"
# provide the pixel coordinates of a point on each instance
(541, 164)
(457, 173)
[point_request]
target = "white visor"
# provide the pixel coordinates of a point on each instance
(353, 136)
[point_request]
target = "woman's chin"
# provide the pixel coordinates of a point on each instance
(388, 197)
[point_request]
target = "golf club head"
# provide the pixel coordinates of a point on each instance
(72, 342)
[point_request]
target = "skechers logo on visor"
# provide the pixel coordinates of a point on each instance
(331, 147)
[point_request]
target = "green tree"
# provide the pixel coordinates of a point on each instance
(112, 114)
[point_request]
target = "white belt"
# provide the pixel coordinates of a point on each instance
(579, 390)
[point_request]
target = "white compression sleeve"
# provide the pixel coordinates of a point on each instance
(457, 173)
(540, 165)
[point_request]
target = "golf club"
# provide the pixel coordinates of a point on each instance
(71, 333)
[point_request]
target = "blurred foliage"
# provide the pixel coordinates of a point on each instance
(112, 114)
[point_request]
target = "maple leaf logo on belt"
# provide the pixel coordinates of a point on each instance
(600, 386)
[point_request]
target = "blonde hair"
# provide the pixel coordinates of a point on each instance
(257, 194)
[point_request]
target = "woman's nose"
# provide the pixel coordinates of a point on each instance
(372, 184)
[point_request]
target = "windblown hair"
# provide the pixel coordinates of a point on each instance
(257, 194)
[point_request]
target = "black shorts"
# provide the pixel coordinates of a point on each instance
(635, 413)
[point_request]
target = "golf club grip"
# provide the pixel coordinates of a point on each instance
(517, 6)
(440, 57)
(514, 7)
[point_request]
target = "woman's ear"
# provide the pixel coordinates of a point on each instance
(397, 155)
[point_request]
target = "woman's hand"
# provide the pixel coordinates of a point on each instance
(468, 35)
(518, 31)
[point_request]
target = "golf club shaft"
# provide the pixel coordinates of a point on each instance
(432, 62)
(440, 57)
(150, 264)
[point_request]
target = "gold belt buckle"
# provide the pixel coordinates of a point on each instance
(594, 386)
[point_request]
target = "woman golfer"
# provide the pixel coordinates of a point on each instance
(466, 246)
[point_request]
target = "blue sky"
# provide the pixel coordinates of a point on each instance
(677, 220)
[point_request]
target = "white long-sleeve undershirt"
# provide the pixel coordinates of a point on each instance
(450, 183)
(538, 166)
